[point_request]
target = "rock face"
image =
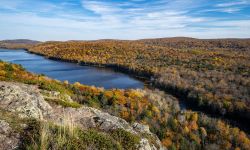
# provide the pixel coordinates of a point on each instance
(87, 117)
(27, 101)
(141, 128)
(23, 99)
(8, 139)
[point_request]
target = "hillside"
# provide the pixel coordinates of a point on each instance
(190, 43)
(21, 41)
(18, 43)
(64, 112)
(211, 74)
(40, 114)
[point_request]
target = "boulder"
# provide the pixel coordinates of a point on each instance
(26, 100)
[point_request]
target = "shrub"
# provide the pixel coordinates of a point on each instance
(127, 140)
(9, 67)
(49, 136)
(63, 103)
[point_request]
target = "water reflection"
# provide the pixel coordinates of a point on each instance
(100, 77)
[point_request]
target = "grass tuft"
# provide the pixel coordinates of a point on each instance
(63, 102)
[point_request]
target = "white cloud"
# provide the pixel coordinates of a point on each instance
(235, 3)
(157, 16)
(230, 7)
(225, 10)
(123, 20)
(100, 8)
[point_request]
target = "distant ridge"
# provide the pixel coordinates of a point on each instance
(18, 43)
(28, 41)
(21, 41)
(186, 42)
(170, 42)
(190, 38)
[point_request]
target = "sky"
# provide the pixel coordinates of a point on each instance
(123, 19)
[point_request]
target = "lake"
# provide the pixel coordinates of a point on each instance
(100, 77)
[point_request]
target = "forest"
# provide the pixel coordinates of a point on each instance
(211, 74)
(176, 129)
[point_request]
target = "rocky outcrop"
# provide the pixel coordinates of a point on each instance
(24, 99)
(141, 128)
(27, 101)
(87, 117)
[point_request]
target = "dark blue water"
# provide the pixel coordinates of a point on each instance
(99, 77)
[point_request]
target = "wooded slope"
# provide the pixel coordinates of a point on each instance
(213, 74)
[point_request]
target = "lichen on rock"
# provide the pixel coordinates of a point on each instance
(24, 99)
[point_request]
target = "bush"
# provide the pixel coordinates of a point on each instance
(9, 67)
(48, 136)
(63, 103)
(98, 140)
(127, 140)
(54, 86)
(9, 70)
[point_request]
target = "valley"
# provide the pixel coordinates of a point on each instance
(210, 75)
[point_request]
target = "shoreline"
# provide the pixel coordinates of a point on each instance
(232, 118)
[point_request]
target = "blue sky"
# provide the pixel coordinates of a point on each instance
(123, 19)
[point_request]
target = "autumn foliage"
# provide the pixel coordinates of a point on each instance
(213, 74)
(176, 129)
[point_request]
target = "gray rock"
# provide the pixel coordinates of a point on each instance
(23, 99)
(87, 117)
(144, 145)
(4, 127)
(56, 95)
(8, 139)
(141, 128)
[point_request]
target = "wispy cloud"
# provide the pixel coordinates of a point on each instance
(233, 3)
(231, 6)
(224, 10)
(128, 14)
(131, 19)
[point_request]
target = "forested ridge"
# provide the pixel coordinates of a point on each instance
(182, 42)
(18, 43)
(176, 129)
(213, 74)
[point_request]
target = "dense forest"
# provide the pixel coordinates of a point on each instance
(212, 74)
(239, 44)
(176, 129)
